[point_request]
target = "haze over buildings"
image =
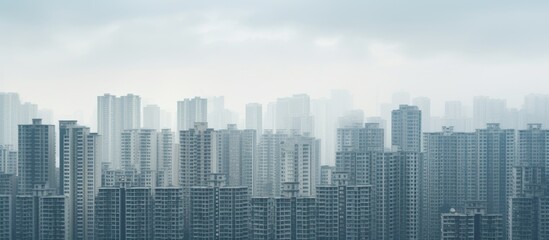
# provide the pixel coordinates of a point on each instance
(389, 120)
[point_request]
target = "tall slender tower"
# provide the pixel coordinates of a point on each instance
(81, 178)
(190, 111)
(36, 156)
(64, 126)
(167, 162)
(533, 147)
(448, 155)
(115, 114)
(300, 163)
(254, 117)
(267, 165)
(406, 128)
(195, 155)
(9, 118)
(493, 172)
(235, 152)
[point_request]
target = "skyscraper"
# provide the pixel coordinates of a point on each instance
(81, 178)
(300, 163)
(294, 113)
(6, 216)
(190, 111)
(115, 114)
(491, 175)
(448, 155)
(64, 126)
(284, 217)
(367, 138)
(8, 159)
(111, 213)
(267, 176)
(168, 213)
(235, 153)
(195, 155)
(254, 118)
(195, 162)
(533, 147)
(530, 199)
(52, 216)
(474, 223)
(9, 118)
(139, 205)
(139, 152)
(219, 212)
(424, 105)
(344, 211)
(488, 110)
(395, 179)
(406, 128)
(36, 165)
(167, 162)
(218, 117)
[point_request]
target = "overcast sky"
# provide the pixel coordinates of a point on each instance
(62, 54)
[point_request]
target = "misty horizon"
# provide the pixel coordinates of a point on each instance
(267, 120)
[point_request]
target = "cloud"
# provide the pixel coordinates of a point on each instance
(291, 46)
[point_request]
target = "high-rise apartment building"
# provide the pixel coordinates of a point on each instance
(254, 118)
(235, 153)
(300, 163)
(218, 116)
(529, 203)
(9, 118)
(52, 218)
(125, 213)
(488, 110)
(27, 112)
(64, 126)
(7, 213)
(395, 179)
(81, 178)
(474, 223)
(326, 174)
(424, 105)
(139, 152)
(406, 128)
(533, 147)
(195, 155)
(267, 167)
(110, 213)
(284, 217)
(491, 176)
(344, 211)
(448, 155)
(168, 214)
(294, 113)
(36, 161)
(218, 211)
(139, 213)
(191, 111)
(367, 138)
(8, 159)
(167, 159)
(115, 114)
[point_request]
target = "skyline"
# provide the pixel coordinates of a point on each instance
(169, 51)
(287, 120)
(437, 109)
